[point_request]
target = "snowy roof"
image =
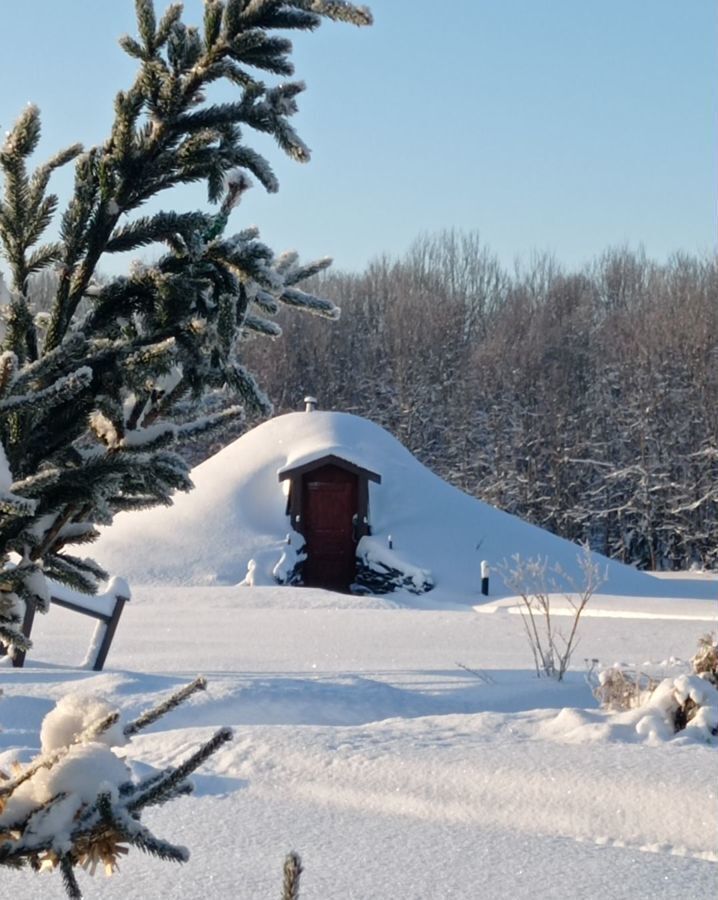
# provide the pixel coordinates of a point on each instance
(238, 512)
(320, 458)
(329, 434)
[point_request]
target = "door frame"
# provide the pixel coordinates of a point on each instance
(295, 476)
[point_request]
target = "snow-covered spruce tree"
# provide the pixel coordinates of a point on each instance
(91, 391)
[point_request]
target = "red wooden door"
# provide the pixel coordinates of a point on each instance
(329, 504)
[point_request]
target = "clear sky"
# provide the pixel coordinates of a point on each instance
(559, 125)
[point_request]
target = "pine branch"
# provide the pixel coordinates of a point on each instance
(245, 386)
(152, 715)
(143, 839)
(295, 297)
(338, 10)
(170, 18)
(192, 431)
(295, 273)
(14, 505)
(83, 384)
(8, 368)
(166, 786)
(65, 388)
(78, 574)
(41, 176)
(11, 634)
(11, 862)
(43, 257)
(150, 229)
(146, 24)
(262, 326)
(287, 18)
(62, 360)
(68, 878)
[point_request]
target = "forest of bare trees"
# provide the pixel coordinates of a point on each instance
(583, 401)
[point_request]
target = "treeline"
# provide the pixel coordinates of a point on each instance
(583, 401)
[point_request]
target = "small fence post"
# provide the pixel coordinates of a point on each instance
(484, 578)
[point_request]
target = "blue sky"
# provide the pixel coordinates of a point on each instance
(547, 125)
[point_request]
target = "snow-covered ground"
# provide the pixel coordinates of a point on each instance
(360, 743)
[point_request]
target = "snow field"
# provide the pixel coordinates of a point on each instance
(360, 740)
(396, 774)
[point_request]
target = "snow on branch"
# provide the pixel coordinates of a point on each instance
(78, 804)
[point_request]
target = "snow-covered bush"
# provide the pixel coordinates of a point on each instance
(380, 570)
(78, 803)
(620, 688)
(288, 569)
(705, 662)
(660, 709)
(534, 582)
(687, 703)
(277, 564)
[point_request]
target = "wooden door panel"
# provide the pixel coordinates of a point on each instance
(329, 505)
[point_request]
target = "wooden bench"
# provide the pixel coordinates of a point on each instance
(106, 608)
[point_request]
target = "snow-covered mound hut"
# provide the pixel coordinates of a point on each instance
(354, 502)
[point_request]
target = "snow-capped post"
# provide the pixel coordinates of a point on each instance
(310, 404)
(484, 578)
(390, 542)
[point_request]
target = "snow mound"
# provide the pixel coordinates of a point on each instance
(654, 721)
(237, 512)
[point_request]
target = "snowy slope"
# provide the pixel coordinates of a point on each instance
(237, 512)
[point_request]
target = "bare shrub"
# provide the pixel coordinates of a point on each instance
(619, 688)
(535, 583)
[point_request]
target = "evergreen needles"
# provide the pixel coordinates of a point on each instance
(98, 381)
(152, 715)
(95, 819)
